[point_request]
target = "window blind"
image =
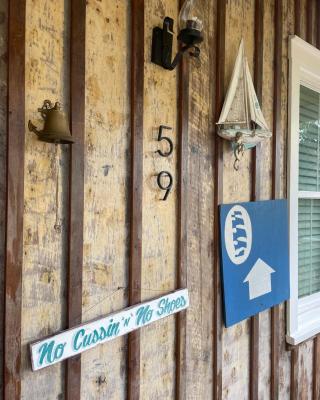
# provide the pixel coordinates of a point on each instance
(309, 180)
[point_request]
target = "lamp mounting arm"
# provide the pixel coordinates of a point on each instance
(162, 40)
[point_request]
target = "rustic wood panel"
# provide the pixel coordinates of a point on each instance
(45, 248)
(14, 200)
(137, 136)
(159, 236)
(200, 196)
(316, 371)
(288, 29)
(305, 370)
(182, 270)
(237, 187)
(3, 159)
(256, 188)
(297, 17)
(276, 179)
(107, 190)
(294, 382)
(219, 46)
(76, 205)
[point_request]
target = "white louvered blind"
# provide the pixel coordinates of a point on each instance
(309, 193)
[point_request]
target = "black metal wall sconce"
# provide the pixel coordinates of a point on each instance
(190, 35)
(56, 127)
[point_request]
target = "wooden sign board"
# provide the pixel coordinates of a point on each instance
(74, 341)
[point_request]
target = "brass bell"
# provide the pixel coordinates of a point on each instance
(56, 128)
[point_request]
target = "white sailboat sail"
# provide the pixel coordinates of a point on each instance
(241, 119)
(233, 111)
(255, 110)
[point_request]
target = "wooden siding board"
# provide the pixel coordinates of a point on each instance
(137, 109)
(159, 229)
(14, 203)
(305, 370)
(276, 179)
(316, 370)
(236, 339)
(45, 248)
(107, 190)
(218, 195)
(297, 17)
(200, 218)
(294, 383)
(256, 188)
(76, 206)
(3, 161)
(182, 270)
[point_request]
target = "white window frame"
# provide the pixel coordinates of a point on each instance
(303, 316)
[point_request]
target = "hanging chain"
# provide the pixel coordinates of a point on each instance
(57, 225)
(238, 151)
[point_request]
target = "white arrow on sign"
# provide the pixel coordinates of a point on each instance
(259, 279)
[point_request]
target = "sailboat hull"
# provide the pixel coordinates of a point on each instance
(248, 137)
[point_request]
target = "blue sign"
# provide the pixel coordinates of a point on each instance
(255, 257)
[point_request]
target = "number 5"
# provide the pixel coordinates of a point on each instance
(165, 138)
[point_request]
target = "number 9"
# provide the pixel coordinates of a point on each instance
(161, 186)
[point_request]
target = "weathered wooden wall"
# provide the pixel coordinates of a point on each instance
(3, 146)
(191, 356)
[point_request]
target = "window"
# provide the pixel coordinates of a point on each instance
(304, 191)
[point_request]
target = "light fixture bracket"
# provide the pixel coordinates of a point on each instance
(162, 41)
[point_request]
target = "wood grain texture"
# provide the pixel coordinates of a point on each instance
(160, 219)
(182, 272)
(107, 190)
(294, 384)
(15, 195)
(76, 205)
(137, 109)
(297, 17)
(220, 51)
(316, 369)
(256, 188)
(310, 25)
(317, 23)
(276, 179)
(3, 162)
(200, 219)
(305, 370)
(45, 248)
(237, 187)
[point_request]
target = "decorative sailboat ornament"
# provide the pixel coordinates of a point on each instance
(241, 120)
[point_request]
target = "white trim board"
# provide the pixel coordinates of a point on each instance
(303, 316)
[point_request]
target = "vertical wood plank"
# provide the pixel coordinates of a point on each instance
(256, 191)
(218, 193)
(297, 17)
(276, 179)
(75, 261)
(182, 280)
(137, 94)
(318, 24)
(3, 160)
(309, 6)
(15, 201)
(316, 369)
(294, 386)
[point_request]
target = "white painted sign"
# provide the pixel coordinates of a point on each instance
(259, 279)
(87, 336)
